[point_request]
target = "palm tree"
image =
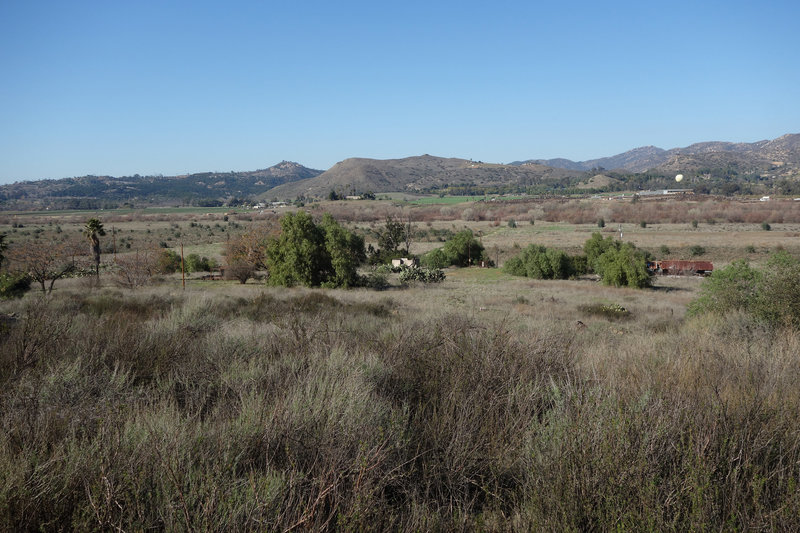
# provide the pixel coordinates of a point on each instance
(93, 229)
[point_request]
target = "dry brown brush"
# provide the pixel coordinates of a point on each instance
(285, 410)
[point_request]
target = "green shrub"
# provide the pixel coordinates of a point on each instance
(435, 259)
(664, 250)
(424, 275)
(730, 288)
(195, 263)
(609, 311)
(579, 265)
(696, 250)
(771, 295)
(463, 249)
(376, 279)
(512, 223)
(601, 223)
(539, 262)
(597, 246)
(778, 291)
(694, 223)
(14, 285)
(314, 255)
(169, 262)
(765, 226)
(623, 266)
(642, 224)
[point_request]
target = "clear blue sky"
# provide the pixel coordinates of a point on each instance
(159, 87)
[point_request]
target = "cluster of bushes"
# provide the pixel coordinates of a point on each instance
(462, 250)
(770, 295)
(407, 274)
(540, 262)
(314, 255)
(422, 274)
(617, 263)
(169, 262)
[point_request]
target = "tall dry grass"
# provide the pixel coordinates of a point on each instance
(285, 410)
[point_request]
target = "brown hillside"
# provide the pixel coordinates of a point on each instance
(412, 174)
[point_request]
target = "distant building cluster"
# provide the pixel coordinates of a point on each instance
(265, 205)
(665, 191)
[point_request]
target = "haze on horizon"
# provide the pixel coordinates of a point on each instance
(150, 87)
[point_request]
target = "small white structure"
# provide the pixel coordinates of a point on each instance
(404, 262)
(764, 199)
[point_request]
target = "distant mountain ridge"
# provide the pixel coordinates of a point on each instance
(711, 167)
(785, 149)
(204, 188)
(416, 174)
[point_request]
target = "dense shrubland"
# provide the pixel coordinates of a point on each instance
(273, 409)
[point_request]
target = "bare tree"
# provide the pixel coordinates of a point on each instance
(246, 254)
(137, 269)
(44, 264)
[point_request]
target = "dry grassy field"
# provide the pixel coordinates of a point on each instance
(485, 402)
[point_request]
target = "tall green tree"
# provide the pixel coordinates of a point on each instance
(623, 267)
(345, 250)
(93, 230)
(312, 254)
(392, 236)
(597, 246)
(463, 249)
